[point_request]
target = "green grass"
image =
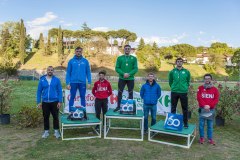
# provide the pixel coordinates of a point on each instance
(27, 143)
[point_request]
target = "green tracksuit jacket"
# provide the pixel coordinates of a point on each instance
(126, 64)
(179, 80)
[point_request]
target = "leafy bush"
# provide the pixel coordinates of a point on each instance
(5, 93)
(29, 117)
(229, 102)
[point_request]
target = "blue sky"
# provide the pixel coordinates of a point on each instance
(166, 22)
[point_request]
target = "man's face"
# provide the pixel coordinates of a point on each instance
(78, 52)
(207, 80)
(127, 50)
(101, 76)
(50, 71)
(179, 63)
(151, 78)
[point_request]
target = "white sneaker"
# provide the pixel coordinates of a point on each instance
(57, 134)
(45, 134)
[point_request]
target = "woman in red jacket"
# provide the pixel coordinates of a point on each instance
(208, 97)
(101, 90)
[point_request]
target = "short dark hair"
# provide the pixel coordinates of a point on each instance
(102, 72)
(208, 74)
(50, 67)
(127, 45)
(77, 48)
(151, 73)
(179, 58)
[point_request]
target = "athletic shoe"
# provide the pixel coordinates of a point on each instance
(210, 141)
(145, 131)
(57, 134)
(201, 140)
(45, 134)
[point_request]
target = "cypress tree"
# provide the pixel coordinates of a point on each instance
(60, 46)
(22, 48)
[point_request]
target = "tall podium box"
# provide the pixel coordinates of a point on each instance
(80, 125)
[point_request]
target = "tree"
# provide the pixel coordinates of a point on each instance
(41, 42)
(149, 58)
(99, 44)
(5, 38)
(184, 50)
(85, 27)
(68, 34)
(126, 36)
(112, 35)
(235, 70)
(60, 46)
(22, 47)
(115, 42)
(141, 44)
(11, 32)
(48, 47)
(220, 49)
(53, 33)
(7, 66)
(155, 47)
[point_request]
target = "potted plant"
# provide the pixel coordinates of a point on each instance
(229, 103)
(5, 91)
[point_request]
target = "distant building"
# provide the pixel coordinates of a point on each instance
(201, 59)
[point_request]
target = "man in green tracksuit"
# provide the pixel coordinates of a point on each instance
(126, 67)
(179, 79)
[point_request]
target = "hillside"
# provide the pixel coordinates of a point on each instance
(107, 62)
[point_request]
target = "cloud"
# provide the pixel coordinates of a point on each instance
(48, 17)
(163, 40)
(103, 29)
(40, 24)
(35, 31)
(201, 32)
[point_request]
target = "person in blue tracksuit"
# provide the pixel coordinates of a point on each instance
(49, 99)
(150, 93)
(78, 70)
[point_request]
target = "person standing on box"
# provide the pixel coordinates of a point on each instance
(101, 90)
(150, 93)
(207, 97)
(78, 70)
(179, 80)
(126, 67)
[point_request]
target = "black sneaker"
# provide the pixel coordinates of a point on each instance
(186, 126)
(116, 109)
(145, 132)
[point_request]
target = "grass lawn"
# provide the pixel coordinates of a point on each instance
(27, 143)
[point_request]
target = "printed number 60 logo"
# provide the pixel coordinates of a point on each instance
(173, 122)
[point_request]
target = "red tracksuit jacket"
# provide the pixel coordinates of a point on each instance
(209, 96)
(102, 90)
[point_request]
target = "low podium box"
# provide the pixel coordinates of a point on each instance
(158, 129)
(91, 122)
(116, 115)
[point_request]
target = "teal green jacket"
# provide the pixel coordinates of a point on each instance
(126, 64)
(179, 80)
